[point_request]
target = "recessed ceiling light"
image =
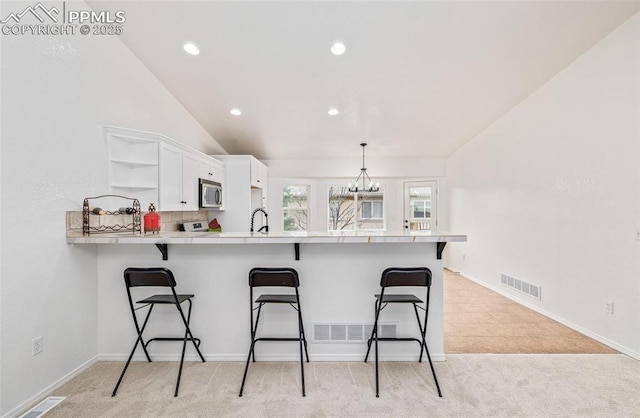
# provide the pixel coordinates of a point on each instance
(191, 48)
(235, 112)
(333, 111)
(338, 48)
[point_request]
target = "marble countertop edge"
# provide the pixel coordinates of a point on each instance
(259, 238)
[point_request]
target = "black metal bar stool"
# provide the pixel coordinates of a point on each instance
(274, 277)
(403, 276)
(157, 277)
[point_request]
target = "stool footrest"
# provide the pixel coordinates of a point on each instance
(397, 339)
(197, 340)
(277, 339)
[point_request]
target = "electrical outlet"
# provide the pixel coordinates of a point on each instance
(464, 257)
(637, 234)
(608, 308)
(36, 346)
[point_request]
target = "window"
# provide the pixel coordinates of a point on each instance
(371, 209)
(295, 206)
(421, 209)
(341, 204)
(355, 211)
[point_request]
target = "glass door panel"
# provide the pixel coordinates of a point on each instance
(420, 206)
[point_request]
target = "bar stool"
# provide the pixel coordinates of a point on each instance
(402, 276)
(157, 277)
(274, 277)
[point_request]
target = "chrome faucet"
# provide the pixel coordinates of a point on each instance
(266, 220)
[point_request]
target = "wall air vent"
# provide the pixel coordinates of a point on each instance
(521, 286)
(350, 333)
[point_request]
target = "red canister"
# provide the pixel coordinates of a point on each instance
(151, 220)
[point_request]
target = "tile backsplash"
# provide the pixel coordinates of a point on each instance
(170, 220)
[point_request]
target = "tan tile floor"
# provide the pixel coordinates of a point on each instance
(478, 320)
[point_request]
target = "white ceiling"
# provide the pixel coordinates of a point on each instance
(418, 79)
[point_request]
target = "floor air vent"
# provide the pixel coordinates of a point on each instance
(350, 333)
(43, 407)
(520, 285)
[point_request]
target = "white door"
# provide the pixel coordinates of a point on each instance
(420, 206)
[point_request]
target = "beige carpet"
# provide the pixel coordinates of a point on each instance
(478, 320)
(473, 385)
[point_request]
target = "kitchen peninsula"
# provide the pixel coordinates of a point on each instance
(339, 275)
(368, 237)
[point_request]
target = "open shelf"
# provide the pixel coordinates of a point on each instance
(133, 164)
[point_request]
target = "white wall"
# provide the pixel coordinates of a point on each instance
(550, 193)
(57, 93)
(350, 168)
(322, 174)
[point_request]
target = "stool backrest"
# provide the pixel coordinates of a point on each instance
(149, 276)
(406, 276)
(273, 276)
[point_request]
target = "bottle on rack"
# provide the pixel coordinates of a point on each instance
(97, 211)
(128, 211)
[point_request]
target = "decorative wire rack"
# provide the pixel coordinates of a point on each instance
(131, 211)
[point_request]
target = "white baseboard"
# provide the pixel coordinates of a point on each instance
(625, 350)
(271, 357)
(38, 397)
(360, 357)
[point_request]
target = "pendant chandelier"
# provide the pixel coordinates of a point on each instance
(365, 177)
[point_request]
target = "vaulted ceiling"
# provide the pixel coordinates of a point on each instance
(418, 79)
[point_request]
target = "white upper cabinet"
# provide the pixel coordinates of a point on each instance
(179, 175)
(204, 169)
(258, 174)
(190, 183)
(211, 169)
(155, 169)
(170, 178)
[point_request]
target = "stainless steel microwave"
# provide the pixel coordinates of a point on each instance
(210, 194)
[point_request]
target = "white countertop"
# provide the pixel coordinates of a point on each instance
(259, 238)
